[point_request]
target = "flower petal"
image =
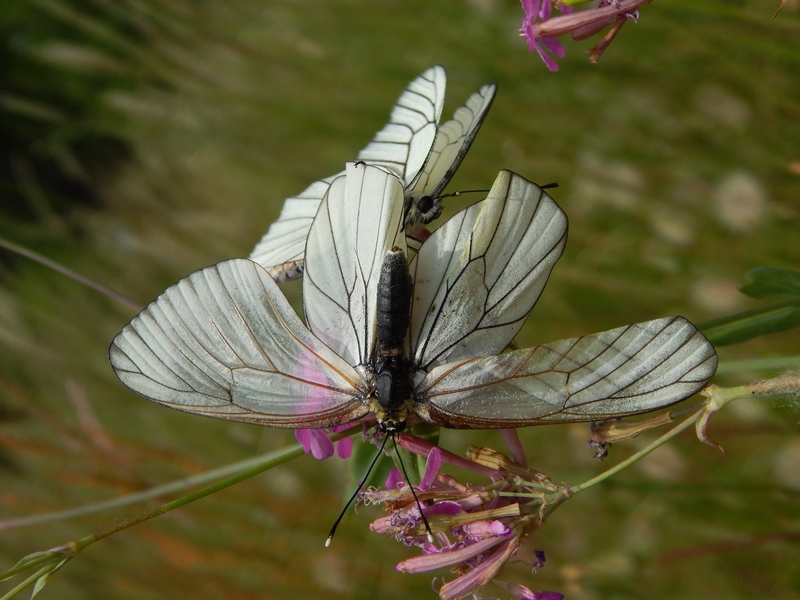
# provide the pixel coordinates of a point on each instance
(394, 480)
(431, 468)
(316, 442)
(344, 448)
(483, 573)
(554, 46)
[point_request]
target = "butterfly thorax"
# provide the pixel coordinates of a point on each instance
(392, 397)
(391, 401)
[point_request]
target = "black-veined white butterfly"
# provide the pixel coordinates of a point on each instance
(424, 154)
(224, 342)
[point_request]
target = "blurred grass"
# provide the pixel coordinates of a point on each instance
(144, 140)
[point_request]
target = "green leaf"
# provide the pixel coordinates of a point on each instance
(772, 281)
(44, 579)
(753, 323)
(31, 561)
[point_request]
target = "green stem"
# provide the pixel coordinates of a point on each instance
(707, 327)
(30, 580)
(745, 325)
(639, 455)
(258, 465)
(43, 260)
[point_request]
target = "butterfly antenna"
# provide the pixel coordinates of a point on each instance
(549, 186)
(454, 194)
(353, 497)
(413, 493)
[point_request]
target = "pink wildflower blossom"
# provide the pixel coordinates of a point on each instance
(476, 529)
(317, 442)
(540, 30)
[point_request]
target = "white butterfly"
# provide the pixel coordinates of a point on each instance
(224, 342)
(413, 145)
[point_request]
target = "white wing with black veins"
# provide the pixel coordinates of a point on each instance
(424, 156)
(224, 342)
(478, 276)
(359, 220)
(628, 370)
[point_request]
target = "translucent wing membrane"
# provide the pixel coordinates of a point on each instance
(412, 145)
(453, 140)
(628, 370)
(359, 220)
(478, 276)
(405, 143)
(224, 342)
(282, 250)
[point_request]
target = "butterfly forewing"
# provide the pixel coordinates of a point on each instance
(453, 140)
(478, 276)
(624, 371)
(405, 143)
(224, 342)
(359, 220)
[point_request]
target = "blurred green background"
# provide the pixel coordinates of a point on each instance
(145, 139)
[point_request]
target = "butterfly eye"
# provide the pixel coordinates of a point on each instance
(424, 204)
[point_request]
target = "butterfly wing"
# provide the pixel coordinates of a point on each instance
(282, 249)
(628, 370)
(453, 140)
(224, 342)
(403, 145)
(359, 220)
(478, 276)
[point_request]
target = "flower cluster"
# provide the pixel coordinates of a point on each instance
(477, 529)
(540, 30)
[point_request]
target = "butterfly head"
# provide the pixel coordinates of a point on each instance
(419, 211)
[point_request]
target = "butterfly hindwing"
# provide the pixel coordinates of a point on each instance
(628, 370)
(411, 144)
(453, 140)
(405, 143)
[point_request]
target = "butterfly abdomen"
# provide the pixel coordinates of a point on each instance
(392, 382)
(395, 287)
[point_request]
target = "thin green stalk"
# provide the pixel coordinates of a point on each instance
(29, 581)
(43, 260)
(773, 363)
(747, 324)
(71, 549)
(263, 462)
(637, 456)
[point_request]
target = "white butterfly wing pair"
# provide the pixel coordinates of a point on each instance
(413, 145)
(224, 341)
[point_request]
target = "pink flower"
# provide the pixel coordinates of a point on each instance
(539, 29)
(476, 529)
(320, 445)
(317, 441)
(538, 9)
